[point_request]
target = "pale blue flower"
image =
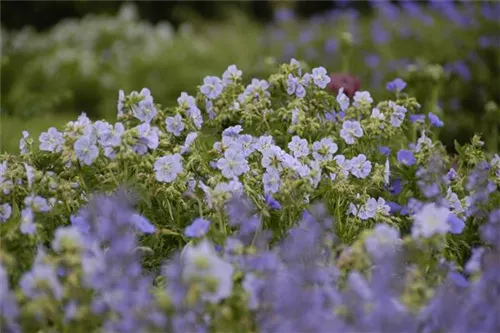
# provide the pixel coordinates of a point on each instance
(295, 64)
(343, 100)
(271, 180)
(195, 115)
(41, 275)
(22, 143)
(430, 220)
(233, 164)
(320, 77)
(52, 140)
(148, 137)
(232, 131)
(362, 97)
(324, 149)
(27, 227)
(344, 164)
(145, 111)
(212, 87)
(273, 157)
(5, 212)
(202, 266)
(264, 143)
(398, 114)
(376, 114)
(247, 144)
(37, 203)
(168, 167)
(361, 167)
(86, 150)
(120, 105)
(67, 235)
(299, 147)
(231, 75)
(186, 101)
(383, 239)
(188, 142)
(351, 130)
(30, 174)
(175, 125)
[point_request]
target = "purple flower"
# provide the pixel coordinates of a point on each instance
(22, 143)
(435, 121)
(272, 203)
(168, 167)
(351, 130)
(342, 99)
(417, 118)
(457, 225)
(386, 151)
(198, 228)
(396, 85)
(148, 137)
(212, 87)
(406, 157)
(142, 224)
(361, 97)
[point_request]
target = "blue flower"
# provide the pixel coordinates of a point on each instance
(386, 151)
(198, 228)
(86, 150)
(188, 142)
(67, 235)
(37, 203)
(175, 125)
(320, 77)
(272, 203)
(168, 167)
(417, 118)
(5, 212)
(406, 157)
(396, 85)
(435, 121)
(212, 87)
(52, 140)
(142, 224)
(457, 225)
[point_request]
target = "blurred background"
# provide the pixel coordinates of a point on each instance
(62, 58)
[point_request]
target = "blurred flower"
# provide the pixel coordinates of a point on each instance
(396, 85)
(350, 83)
(430, 220)
(198, 228)
(435, 121)
(406, 157)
